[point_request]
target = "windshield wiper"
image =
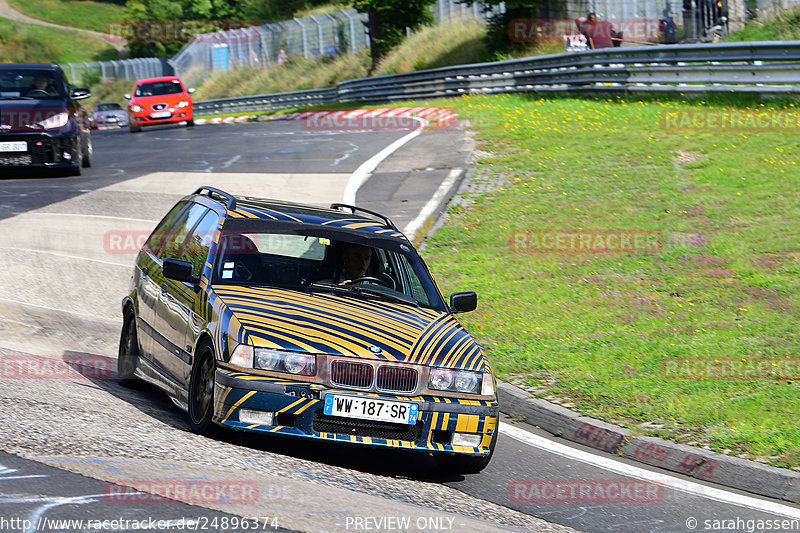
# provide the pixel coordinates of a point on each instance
(352, 290)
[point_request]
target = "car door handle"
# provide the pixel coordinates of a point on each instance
(164, 288)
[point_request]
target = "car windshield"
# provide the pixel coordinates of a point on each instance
(321, 264)
(109, 107)
(30, 83)
(159, 88)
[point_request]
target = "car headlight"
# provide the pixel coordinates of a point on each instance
(460, 381)
(59, 120)
(279, 361)
(183, 103)
(136, 108)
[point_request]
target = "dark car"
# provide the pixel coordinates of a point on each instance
(162, 100)
(42, 124)
(317, 323)
(108, 114)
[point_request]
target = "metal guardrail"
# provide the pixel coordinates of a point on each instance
(751, 67)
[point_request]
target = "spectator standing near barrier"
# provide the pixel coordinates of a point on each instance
(282, 57)
(598, 33)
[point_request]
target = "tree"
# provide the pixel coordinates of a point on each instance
(388, 20)
(152, 31)
(499, 39)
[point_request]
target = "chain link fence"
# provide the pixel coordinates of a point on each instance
(329, 34)
(315, 36)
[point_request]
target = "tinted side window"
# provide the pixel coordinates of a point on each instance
(157, 238)
(181, 228)
(199, 241)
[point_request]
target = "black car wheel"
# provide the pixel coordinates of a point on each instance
(128, 350)
(201, 390)
(466, 464)
(86, 154)
(134, 127)
(190, 123)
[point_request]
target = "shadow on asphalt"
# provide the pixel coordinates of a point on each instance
(154, 403)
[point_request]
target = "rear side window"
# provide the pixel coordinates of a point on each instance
(179, 232)
(198, 243)
(159, 235)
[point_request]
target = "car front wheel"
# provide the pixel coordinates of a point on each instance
(128, 350)
(201, 390)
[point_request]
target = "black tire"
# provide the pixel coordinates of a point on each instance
(466, 464)
(134, 127)
(201, 390)
(128, 350)
(86, 154)
(190, 123)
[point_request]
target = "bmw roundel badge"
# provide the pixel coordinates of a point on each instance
(374, 349)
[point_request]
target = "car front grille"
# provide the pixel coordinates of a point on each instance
(40, 152)
(159, 107)
(366, 428)
(396, 379)
(362, 375)
(352, 374)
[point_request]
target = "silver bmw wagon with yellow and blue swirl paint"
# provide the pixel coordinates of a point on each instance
(319, 323)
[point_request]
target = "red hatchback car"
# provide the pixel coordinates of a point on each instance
(161, 100)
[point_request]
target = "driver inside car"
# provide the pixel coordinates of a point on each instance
(41, 86)
(355, 262)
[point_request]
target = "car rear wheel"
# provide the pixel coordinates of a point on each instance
(128, 350)
(466, 464)
(201, 390)
(86, 154)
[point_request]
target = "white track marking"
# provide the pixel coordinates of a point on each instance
(414, 226)
(682, 485)
(363, 171)
(78, 257)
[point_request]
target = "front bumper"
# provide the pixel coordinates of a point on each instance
(44, 149)
(143, 118)
(298, 409)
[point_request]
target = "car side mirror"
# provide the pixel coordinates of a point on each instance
(179, 270)
(463, 302)
(80, 93)
(191, 90)
(126, 96)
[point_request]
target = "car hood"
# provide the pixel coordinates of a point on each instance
(335, 325)
(24, 115)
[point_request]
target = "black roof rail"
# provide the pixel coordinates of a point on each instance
(231, 201)
(355, 208)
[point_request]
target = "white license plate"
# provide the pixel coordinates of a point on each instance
(21, 146)
(160, 114)
(371, 409)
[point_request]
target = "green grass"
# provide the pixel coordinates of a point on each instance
(27, 43)
(595, 330)
(785, 26)
(86, 14)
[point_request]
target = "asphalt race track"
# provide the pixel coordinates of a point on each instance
(67, 445)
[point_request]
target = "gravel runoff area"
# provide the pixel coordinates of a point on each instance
(100, 419)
